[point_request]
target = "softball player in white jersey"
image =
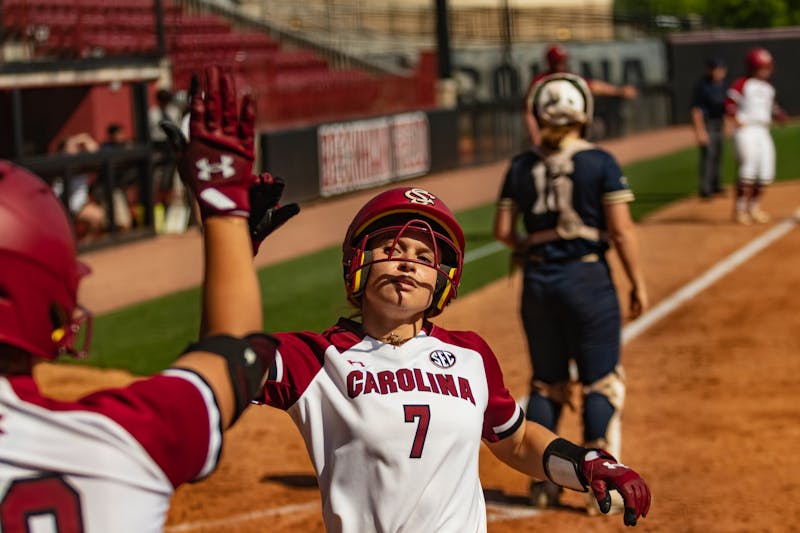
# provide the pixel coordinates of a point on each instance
(109, 462)
(393, 408)
(751, 105)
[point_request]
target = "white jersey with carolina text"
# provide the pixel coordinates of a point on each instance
(394, 432)
(751, 101)
(107, 462)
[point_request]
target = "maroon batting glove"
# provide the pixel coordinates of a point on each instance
(603, 473)
(218, 161)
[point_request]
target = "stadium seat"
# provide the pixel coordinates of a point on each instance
(290, 85)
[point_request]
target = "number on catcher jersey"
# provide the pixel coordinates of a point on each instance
(41, 504)
(545, 195)
(552, 195)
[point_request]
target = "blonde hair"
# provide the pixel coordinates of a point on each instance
(553, 136)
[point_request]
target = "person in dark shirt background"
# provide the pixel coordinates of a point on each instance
(708, 114)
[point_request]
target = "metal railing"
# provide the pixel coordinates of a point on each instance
(111, 169)
(337, 57)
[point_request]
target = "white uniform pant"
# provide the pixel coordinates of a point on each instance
(755, 154)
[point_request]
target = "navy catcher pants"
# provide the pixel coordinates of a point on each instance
(570, 311)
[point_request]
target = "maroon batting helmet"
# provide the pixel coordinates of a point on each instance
(556, 56)
(39, 270)
(758, 58)
(393, 212)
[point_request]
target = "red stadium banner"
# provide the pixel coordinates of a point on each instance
(410, 145)
(354, 155)
(367, 153)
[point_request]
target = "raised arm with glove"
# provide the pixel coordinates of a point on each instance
(217, 166)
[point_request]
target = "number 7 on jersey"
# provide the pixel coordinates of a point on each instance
(423, 413)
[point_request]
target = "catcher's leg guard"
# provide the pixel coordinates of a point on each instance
(603, 401)
(546, 401)
(602, 411)
(544, 407)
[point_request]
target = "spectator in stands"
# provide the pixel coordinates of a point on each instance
(125, 190)
(89, 217)
(166, 109)
(557, 58)
(115, 137)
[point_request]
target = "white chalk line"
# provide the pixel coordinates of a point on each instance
(691, 289)
(483, 251)
(498, 512)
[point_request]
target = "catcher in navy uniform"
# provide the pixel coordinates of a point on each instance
(573, 201)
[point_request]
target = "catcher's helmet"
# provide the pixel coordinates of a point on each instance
(561, 99)
(556, 57)
(391, 213)
(758, 58)
(39, 271)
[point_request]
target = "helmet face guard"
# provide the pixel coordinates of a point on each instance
(392, 215)
(75, 336)
(444, 251)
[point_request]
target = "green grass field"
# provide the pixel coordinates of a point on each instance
(307, 293)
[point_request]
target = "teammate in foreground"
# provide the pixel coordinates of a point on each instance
(573, 201)
(110, 461)
(751, 106)
(557, 58)
(393, 408)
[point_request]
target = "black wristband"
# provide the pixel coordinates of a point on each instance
(248, 361)
(563, 462)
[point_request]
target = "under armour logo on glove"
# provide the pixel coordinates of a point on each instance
(603, 473)
(217, 161)
(206, 169)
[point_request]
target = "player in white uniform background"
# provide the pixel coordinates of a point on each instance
(109, 462)
(393, 408)
(751, 106)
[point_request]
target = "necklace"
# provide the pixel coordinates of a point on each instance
(393, 338)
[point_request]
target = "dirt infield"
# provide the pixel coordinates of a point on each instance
(711, 416)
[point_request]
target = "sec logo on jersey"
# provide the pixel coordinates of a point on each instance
(442, 359)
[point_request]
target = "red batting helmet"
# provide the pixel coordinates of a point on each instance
(39, 271)
(392, 213)
(556, 55)
(758, 58)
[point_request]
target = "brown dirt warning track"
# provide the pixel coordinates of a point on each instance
(711, 419)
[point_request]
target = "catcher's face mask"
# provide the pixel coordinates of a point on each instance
(395, 213)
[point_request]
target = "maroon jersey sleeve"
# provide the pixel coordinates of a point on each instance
(734, 96)
(299, 358)
(174, 416)
(503, 416)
